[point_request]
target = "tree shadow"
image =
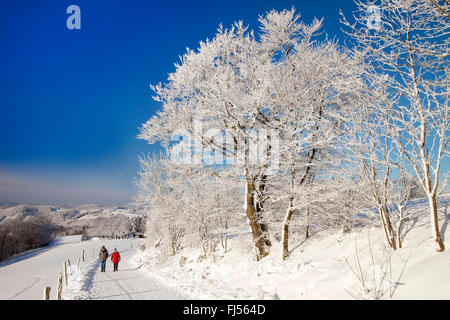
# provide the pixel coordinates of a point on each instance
(411, 222)
(397, 283)
(122, 279)
(298, 245)
(126, 294)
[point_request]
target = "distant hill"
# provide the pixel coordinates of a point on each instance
(6, 204)
(90, 219)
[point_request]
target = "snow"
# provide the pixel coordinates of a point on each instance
(129, 283)
(62, 215)
(25, 276)
(66, 240)
(319, 267)
(106, 213)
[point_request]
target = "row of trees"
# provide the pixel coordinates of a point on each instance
(187, 204)
(21, 234)
(302, 127)
(114, 227)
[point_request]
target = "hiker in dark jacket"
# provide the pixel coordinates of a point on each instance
(103, 256)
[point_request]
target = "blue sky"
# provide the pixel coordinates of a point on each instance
(71, 101)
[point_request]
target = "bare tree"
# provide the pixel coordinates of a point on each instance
(409, 45)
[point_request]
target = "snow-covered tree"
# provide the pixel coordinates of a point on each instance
(320, 85)
(186, 205)
(217, 88)
(409, 45)
(256, 102)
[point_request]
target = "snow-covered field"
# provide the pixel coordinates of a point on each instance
(25, 276)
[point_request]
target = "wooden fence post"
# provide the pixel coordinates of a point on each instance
(47, 293)
(65, 273)
(59, 287)
(69, 267)
(82, 256)
(78, 264)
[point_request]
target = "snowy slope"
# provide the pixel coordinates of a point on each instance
(321, 266)
(25, 275)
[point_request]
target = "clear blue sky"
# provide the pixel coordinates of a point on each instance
(71, 101)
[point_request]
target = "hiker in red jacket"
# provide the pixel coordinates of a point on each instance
(115, 258)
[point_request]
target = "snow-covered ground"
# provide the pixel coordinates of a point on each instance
(24, 276)
(319, 267)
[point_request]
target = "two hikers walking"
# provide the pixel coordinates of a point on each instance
(103, 256)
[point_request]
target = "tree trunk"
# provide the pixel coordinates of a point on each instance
(307, 223)
(435, 223)
(390, 229)
(258, 238)
(287, 220)
(387, 227)
(259, 209)
(399, 233)
(346, 228)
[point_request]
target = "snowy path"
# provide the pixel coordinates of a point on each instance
(129, 283)
(25, 276)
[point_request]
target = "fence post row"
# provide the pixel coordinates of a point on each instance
(47, 290)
